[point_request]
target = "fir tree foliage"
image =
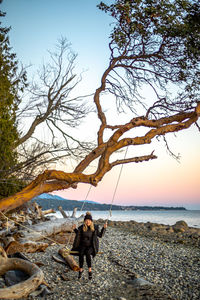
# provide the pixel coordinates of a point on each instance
(10, 86)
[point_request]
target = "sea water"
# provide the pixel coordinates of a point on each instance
(167, 217)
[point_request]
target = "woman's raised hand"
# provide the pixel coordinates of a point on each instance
(105, 225)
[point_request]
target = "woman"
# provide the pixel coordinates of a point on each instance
(86, 242)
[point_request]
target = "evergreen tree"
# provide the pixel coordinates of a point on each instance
(9, 101)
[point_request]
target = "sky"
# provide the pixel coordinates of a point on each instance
(35, 28)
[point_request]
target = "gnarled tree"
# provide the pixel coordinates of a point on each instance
(153, 44)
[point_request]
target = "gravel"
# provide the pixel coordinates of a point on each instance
(130, 267)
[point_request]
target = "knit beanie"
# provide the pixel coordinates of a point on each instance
(88, 216)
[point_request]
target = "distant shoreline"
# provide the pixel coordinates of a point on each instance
(167, 217)
(49, 201)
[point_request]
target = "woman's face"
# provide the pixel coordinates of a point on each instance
(88, 222)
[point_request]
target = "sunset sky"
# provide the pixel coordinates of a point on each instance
(36, 27)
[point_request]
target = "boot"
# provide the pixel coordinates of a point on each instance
(90, 275)
(80, 274)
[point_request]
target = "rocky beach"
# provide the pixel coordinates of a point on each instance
(136, 261)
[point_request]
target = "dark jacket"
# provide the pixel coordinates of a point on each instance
(95, 240)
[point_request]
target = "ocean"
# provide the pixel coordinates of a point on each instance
(167, 217)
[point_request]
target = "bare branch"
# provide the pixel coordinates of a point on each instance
(133, 159)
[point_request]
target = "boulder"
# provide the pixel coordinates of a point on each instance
(180, 226)
(170, 229)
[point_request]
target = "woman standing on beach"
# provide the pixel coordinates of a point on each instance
(86, 242)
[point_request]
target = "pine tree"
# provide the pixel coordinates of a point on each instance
(9, 101)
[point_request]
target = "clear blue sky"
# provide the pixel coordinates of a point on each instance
(36, 27)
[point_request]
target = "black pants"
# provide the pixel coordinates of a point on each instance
(87, 251)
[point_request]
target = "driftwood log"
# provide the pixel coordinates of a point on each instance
(24, 288)
(69, 259)
(41, 230)
(27, 247)
(11, 246)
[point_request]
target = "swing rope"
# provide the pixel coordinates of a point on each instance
(86, 197)
(115, 190)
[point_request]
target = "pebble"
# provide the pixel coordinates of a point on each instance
(131, 267)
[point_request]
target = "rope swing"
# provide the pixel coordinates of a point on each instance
(113, 198)
(115, 190)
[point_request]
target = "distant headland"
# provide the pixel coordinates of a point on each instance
(47, 201)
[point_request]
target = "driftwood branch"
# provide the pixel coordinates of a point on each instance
(62, 212)
(69, 259)
(48, 211)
